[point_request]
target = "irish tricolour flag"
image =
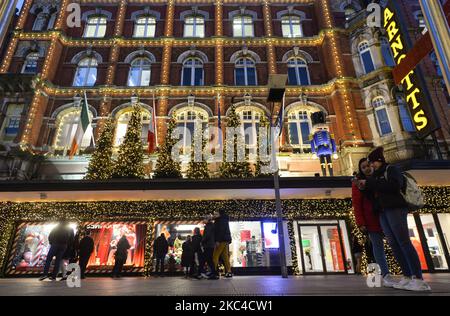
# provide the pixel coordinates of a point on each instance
(82, 127)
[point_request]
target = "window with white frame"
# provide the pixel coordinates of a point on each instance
(187, 119)
(387, 53)
(298, 73)
(30, 65)
(11, 122)
(366, 57)
(243, 26)
(194, 26)
(40, 24)
(96, 26)
(86, 74)
(145, 26)
(192, 73)
(140, 72)
(291, 26)
(381, 116)
(300, 126)
(67, 124)
(250, 118)
(122, 125)
(245, 72)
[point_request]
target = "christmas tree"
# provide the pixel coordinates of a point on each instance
(166, 167)
(199, 169)
(262, 166)
(130, 161)
(101, 166)
(234, 169)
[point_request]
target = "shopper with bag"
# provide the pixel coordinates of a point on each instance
(387, 184)
(368, 220)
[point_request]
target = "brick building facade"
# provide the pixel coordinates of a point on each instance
(190, 58)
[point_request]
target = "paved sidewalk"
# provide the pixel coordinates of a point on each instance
(238, 286)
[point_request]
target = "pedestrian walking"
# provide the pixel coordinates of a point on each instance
(160, 250)
(58, 240)
(222, 236)
(120, 256)
(208, 244)
(187, 256)
(86, 248)
(69, 255)
(198, 253)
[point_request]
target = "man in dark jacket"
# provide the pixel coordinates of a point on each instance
(386, 184)
(120, 256)
(198, 253)
(58, 240)
(208, 244)
(86, 248)
(222, 236)
(160, 250)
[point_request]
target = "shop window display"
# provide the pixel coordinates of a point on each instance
(444, 220)
(31, 247)
(434, 242)
(415, 239)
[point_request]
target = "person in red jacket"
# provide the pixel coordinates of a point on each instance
(368, 221)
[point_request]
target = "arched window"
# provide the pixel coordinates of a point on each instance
(405, 117)
(300, 127)
(67, 124)
(250, 118)
(86, 74)
(366, 57)
(298, 72)
(145, 26)
(382, 118)
(243, 26)
(140, 72)
(245, 72)
(31, 64)
(387, 53)
(192, 73)
(291, 26)
(187, 119)
(123, 118)
(40, 24)
(194, 26)
(96, 26)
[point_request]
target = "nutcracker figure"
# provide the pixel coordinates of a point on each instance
(322, 143)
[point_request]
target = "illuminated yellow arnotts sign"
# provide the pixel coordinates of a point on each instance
(421, 111)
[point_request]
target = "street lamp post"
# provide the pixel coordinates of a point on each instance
(277, 85)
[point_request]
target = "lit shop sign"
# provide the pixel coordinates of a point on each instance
(421, 112)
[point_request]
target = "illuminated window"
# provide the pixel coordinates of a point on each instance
(145, 26)
(31, 64)
(86, 74)
(95, 27)
(298, 73)
(300, 127)
(194, 26)
(366, 57)
(243, 26)
(11, 122)
(291, 26)
(122, 126)
(140, 72)
(192, 73)
(382, 118)
(67, 124)
(245, 72)
(250, 118)
(187, 120)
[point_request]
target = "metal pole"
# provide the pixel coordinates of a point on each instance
(440, 35)
(280, 227)
(436, 144)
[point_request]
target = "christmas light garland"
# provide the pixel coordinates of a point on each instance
(437, 201)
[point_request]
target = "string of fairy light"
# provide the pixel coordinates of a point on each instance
(329, 34)
(437, 201)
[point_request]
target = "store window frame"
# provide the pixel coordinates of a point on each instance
(341, 240)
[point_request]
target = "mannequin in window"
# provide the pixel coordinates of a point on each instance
(322, 143)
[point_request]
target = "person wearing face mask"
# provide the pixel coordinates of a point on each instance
(387, 184)
(368, 220)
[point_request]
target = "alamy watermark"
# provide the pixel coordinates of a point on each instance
(374, 277)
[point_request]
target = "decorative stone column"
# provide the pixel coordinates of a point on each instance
(219, 63)
(219, 17)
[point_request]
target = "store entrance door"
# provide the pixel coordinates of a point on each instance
(322, 249)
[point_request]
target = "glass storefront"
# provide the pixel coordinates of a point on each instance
(415, 239)
(324, 247)
(434, 242)
(444, 220)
